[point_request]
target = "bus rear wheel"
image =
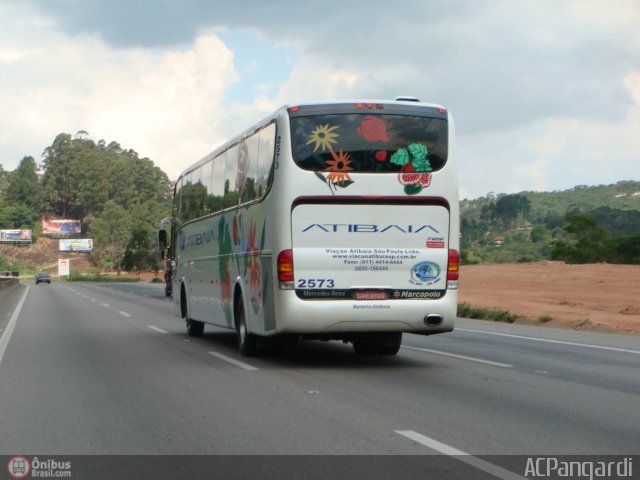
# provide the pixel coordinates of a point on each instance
(246, 341)
(377, 343)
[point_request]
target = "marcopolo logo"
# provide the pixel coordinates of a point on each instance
(425, 272)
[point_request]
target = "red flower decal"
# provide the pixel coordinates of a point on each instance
(373, 129)
(408, 176)
(381, 155)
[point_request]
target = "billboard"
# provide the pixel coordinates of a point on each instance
(61, 227)
(76, 245)
(15, 236)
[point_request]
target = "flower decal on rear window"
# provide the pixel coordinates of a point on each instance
(415, 168)
(373, 129)
(338, 167)
(324, 137)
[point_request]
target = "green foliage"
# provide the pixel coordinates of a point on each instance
(586, 242)
(467, 311)
(112, 190)
(23, 187)
(4, 265)
(17, 216)
(139, 254)
(81, 176)
(21, 196)
(78, 277)
(581, 225)
(111, 232)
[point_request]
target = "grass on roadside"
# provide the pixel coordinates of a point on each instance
(77, 277)
(479, 313)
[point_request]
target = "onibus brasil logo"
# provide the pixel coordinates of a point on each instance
(19, 467)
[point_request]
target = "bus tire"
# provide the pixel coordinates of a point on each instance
(194, 327)
(377, 344)
(246, 340)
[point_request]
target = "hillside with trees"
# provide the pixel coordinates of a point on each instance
(118, 196)
(579, 225)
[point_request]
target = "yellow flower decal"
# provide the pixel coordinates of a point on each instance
(323, 136)
(338, 166)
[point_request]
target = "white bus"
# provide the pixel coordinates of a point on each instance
(331, 221)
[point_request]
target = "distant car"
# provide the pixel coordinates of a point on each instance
(43, 277)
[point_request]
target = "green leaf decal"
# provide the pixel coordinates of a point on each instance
(401, 157)
(419, 152)
(422, 165)
(321, 177)
(412, 189)
(343, 184)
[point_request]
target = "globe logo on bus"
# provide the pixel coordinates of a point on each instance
(425, 272)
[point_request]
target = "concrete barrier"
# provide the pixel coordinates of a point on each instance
(6, 283)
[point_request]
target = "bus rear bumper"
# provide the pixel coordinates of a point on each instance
(343, 316)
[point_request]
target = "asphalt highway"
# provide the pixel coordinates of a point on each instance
(88, 369)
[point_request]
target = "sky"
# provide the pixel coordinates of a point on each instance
(545, 94)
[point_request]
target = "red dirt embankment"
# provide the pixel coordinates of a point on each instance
(597, 297)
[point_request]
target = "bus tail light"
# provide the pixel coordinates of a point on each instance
(285, 269)
(453, 269)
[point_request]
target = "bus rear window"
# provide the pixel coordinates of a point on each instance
(367, 143)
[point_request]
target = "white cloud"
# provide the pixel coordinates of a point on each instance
(165, 105)
(12, 54)
(554, 154)
(168, 108)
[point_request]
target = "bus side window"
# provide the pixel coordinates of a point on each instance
(265, 159)
(193, 194)
(218, 181)
(207, 174)
(248, 191)
(231, 194)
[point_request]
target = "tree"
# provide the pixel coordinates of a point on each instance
(588, 245)
(139, 254)
(3, 184)
(59, 165)
(23, 186)
(17, 216)
(111, 232)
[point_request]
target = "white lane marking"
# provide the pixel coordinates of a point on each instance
(157, 329)
(477, 463)
(233, 361)
(6, 336)
(124, 313)
(105, 304)
(562, 342)
(462, 357)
